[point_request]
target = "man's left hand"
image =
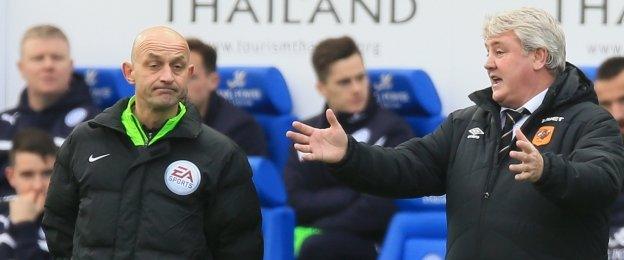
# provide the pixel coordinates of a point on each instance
(531, 162)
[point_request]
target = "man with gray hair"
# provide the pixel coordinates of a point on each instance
(529, 172)
(55, 99)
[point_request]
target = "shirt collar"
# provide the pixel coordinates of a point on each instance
(533, 103)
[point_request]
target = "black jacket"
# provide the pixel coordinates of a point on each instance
(119, 205)
(490, 215)
(322, 201)
(236, 124)
(23, 240)
(58, 120)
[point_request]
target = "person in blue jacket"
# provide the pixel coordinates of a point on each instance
(30, 165)
(334, 221)
(55, 100)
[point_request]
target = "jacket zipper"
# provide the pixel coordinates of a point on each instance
(145, 138)
(487, 188)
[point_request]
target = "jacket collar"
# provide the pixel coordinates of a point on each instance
(188, 127)
(78, 94)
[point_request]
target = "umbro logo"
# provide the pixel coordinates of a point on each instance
(474, 133)
(93, 159)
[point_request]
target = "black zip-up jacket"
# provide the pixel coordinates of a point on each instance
(236, 124)
(58, 120)
(119, 206)
(323, 202)
(564, 215)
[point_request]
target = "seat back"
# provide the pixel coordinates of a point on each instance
(590, 72)
(107, 85)
(268, 182)
(429, 203)
(411, 94)
(415, 236)
(425, 249)
(262, 91)
(278, 219)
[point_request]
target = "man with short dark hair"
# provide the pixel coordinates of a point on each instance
(609, 86)
(30, 165)
(55, 100)
(529, 171)
(145, 179)
(336, 222)
(216, 111)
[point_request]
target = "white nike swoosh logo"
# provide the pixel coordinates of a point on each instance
(93, 159)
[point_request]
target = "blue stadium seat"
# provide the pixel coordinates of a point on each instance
(429, 203)
(107, 85)
(425, 249)
(589, 71)
(415, 236)
(411, 94)
(278, 219)
(262, 91)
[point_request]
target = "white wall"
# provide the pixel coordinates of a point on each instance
(3, 51)
(444, 36)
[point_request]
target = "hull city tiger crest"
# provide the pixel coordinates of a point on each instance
(543, 135)
(182, 177)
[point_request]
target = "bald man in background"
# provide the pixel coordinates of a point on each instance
(146, 180)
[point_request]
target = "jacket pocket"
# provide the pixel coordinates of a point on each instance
(97, 218)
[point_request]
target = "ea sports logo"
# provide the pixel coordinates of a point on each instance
(182, 177)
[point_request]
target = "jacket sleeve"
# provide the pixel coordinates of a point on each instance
(310, 203)
(414, 168)
(591, 176)
(61, 206)
(26, 237)
(369, 215)
(232, 220)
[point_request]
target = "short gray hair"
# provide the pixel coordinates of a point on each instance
(536, 29)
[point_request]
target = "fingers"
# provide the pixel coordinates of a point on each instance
(303, 128)
(525, 146)
(308, 157)
(331, 118)
(520, 135)
(522, 171)
(524, 176)
(30, 196)
(298, 137)
(517, 168)
(520, 156)
(40, 202)
(303, 148)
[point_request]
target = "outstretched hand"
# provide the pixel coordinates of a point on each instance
(326, 145)
(531, 164)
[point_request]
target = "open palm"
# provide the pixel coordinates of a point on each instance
(327, 145)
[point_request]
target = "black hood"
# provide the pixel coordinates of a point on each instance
(570, 86)
(77, 95)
